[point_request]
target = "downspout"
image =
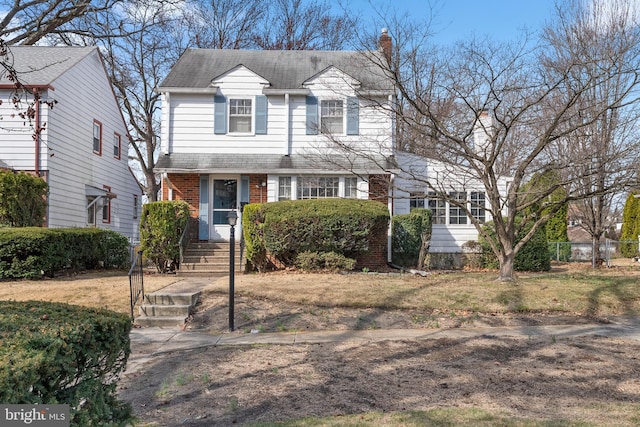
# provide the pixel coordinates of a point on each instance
(288, 125)
(37, 132)
(390, 207)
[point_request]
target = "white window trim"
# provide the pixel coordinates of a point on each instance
(253, 115)
(341, 186)
(344, 115)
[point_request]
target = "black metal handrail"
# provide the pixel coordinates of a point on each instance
(136, 282)
(184, 241)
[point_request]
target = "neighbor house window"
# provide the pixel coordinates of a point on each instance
(416, 201)
(284, 188)
(240, 116)
(456, 213)
(331, 116)
(117, 145)
(97, 137)
(318, 187)
(91, 210)
(351, 188)
(106, 207)
(135, 206)
(438, 209)
(477, 199)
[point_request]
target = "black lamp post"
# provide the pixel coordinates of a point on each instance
(232, 217)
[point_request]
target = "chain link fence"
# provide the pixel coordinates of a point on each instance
(582, 251)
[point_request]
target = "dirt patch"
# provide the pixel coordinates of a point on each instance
(589, 379)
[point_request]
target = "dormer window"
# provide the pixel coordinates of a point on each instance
(332, 116)
(240, 116)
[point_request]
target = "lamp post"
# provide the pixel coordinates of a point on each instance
(232, 217)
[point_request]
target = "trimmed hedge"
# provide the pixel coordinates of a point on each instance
(32, 252)
(161, 225)
(630, 226)
(58, 353)
(285, 229)
(409, 231)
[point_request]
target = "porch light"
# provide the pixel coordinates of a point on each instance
(232, 217)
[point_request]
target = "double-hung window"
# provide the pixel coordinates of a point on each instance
(97, 137)
(284, 188)
(438, 209)
(332, 116)
(351, 187)
(117, 145)
(457, 214)
(240, 116)
(477, 199)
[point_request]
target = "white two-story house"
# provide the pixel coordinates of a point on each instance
(241, 126)
(76, 138)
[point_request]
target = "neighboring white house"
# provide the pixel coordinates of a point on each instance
(241, 126)
(82, 148)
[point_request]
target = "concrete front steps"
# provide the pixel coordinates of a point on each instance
(208, 259)
(166, 309)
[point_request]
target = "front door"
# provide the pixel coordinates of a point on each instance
(225, 200)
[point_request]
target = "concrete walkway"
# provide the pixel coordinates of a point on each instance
(150, 343)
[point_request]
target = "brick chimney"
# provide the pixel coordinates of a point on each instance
(385, 44)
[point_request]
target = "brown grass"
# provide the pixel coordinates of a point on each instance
(576, 290)
(94, 289)
(572, 289)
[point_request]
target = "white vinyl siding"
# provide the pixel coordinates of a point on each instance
(72, 164)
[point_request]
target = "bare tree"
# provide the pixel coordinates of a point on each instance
(481, 111)
(303, 25)
(223, 24)
(28, 22)
(605, 35)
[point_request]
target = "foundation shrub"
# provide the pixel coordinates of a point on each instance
(288, 228)
(324, 261)
(161, 225)
(58, 353)
(410, 233)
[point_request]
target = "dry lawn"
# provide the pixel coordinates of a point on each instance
(102, 289)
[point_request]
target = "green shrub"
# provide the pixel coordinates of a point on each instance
(287, 228)
(410, 232)
(630, 227)
(252, 225)
(324, 261)
(533, 256)
(57, 353)
(22, 199)
(32, 252)
(161, 225)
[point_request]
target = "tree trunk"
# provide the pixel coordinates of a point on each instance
(506, 267)
(423, 257)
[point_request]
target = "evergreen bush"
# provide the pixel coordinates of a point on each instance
(161, 225)
(33, 252)
(410, 232)
(533, 256)
(22, 199)
(287, 228)
(630, 227)
(55, 353)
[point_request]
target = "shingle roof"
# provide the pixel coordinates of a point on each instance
(284, 69)
(41, 65)
(277, 164)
